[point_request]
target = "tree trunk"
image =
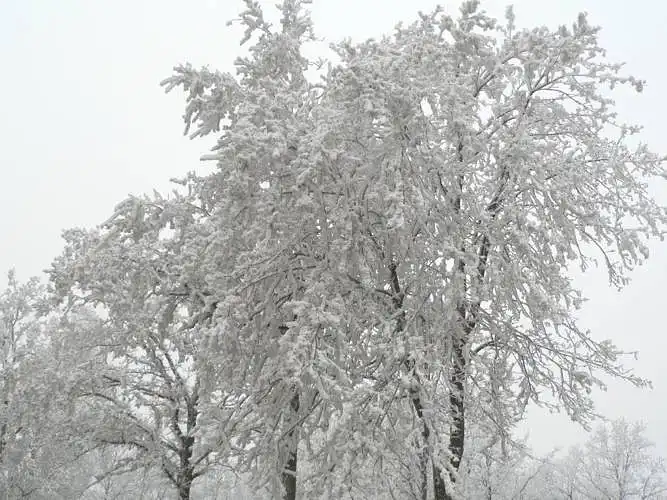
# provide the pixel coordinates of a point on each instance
(439, 489)
(436, 473)
(186, 473)
(425, 453)
(288, 477)
(457, 378)
(457, 406)
(457, 402)
(423, 466)
(184, 490)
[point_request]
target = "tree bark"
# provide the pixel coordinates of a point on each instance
(439, 488)
(457, 404)
(288, 477)
(290, 443)
(186, 472)
(458, 374)
(184, 489)
(425, 452)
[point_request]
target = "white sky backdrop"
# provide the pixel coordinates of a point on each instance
(84, 123)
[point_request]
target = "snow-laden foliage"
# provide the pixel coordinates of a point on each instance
(38, 457)
(380, 257)
(135, 316)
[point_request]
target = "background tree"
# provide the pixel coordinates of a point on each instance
(495, 470)
(19, 330)
(135, 310)
(618, 463)
(566, 475)
(39, 456)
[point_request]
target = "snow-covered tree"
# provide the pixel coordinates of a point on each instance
(504, 469)
(618, 463)
(38, 457)
(19, 328)
(566, 475)
(387, 250)
(135, 310)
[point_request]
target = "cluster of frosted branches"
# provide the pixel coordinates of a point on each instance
(380, 257)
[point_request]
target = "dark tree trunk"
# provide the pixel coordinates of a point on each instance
(186, 475)
(290, 443)
(438, 482)
(439, 488)
(186, 472)
(184, 489)
(424, 456)
(457, 377)
(468, 315)
(457, 406)
(288, 477)
(457, 398)
(424, 448)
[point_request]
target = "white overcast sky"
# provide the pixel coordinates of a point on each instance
(84, 123)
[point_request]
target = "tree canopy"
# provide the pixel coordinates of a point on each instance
(379, 263)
